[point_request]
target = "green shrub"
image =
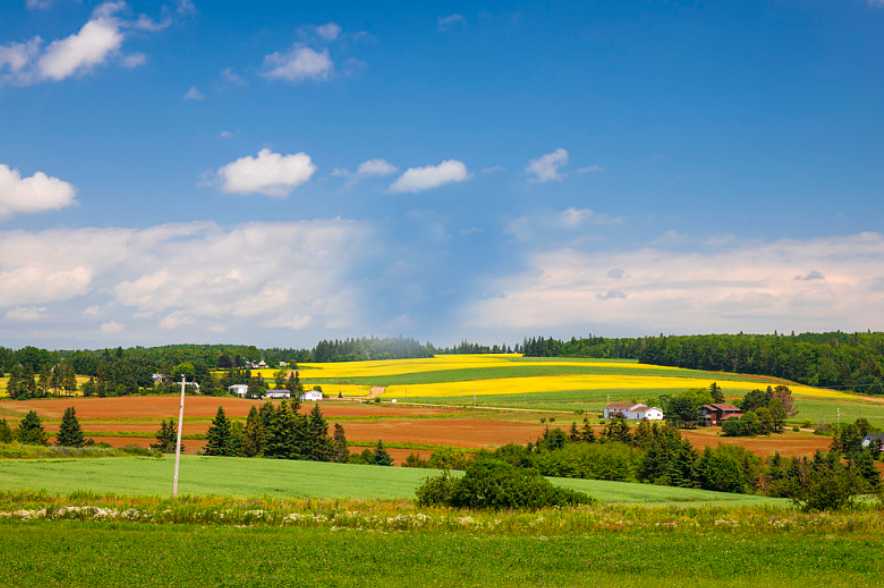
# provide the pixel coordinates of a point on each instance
(492, 484)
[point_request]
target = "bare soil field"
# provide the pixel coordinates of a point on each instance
(762, 446)
(161, 407)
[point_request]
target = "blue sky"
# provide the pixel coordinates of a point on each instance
(277, 173)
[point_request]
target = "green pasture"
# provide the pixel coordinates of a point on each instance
(66, 554)
(825, 410)
(241, 477)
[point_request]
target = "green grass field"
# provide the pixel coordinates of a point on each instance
(241, 477)
(823, 410)
(98, 555)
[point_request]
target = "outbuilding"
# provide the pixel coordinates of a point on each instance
(238, 390)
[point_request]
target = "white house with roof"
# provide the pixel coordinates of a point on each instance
(633, 412)
(278, 393)
(311, 395)
(238, 390)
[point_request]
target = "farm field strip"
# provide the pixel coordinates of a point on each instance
(647, 386)
(245, 478)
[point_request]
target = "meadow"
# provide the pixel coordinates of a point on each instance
(244, 478)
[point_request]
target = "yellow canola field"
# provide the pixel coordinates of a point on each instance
(568, 383)
(395, 367)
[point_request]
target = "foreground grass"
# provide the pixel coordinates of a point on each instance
(71, 554)
(241, 477)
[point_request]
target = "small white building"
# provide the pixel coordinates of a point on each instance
(278, 393)
(158, 378)
(873, 438)
(311, 395)
(239, 390)
(633, 412)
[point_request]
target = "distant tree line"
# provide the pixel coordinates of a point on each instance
(838, 360)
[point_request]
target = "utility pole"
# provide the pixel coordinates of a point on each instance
(474, 396)
(178, 445)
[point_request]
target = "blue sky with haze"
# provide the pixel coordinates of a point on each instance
(276, 173)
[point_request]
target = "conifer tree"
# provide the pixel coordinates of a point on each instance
(340, 452)
(380, 456)
(167, 437)
(5, 432)
(319, 445)
(218, 435)
(30, 430)
(253, 435)
(69, 433)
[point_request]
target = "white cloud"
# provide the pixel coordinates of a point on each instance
(592, 169)
(367, 169)
(188, 277)
(525, 227)
(98, 42)
(230, 76)
(299, 64)
(446, 22)
(746, 286)
(112, 327)
(268, 173)
(194, 94)
(27, 313)
(547, 167)
(37, 193)
(329, 31)
(417, 179)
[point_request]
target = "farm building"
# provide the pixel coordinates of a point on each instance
(874, 439)
(714, 414)
(312, 395)
(238, 390)
(278, 393)
(633, 412)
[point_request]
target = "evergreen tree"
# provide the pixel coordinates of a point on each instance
(69, 433)
(717, 394)
(13, 386)
(44, 381)
(89, 388)
(237, 440)
(286, 433)
(340, 452)
(5, 432)
(30, 430)
(380, 456)
(167, 437)
(319, 445)
(253, 435)
(218, 436)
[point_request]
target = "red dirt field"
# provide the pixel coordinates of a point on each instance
(459, 433)
(161, 407)
(762, 446)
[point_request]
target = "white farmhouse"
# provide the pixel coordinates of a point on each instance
(633, 412)
(239, 390)
(311, 395)
(278, 393)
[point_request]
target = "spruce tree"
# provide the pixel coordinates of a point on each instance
(5, 432)
(218, 435)
(380, 456)
(340, 452)
(30, 430)
(319, 445)
(70, 434)
(167, 437)
(253, 435)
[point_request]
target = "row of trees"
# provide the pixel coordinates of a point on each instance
(30, 431)
(51, 380)
(834, 359)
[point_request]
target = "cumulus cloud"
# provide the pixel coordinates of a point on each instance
(194, 94)
(112, 327)
(367, 169)
(417, 179)
(299, 64)
(746, 286)
(188, 277)
(27, 313)
(37, 193)
(446, 22)
(548, 167)
(329, 31)
(271, 174)
(98, 42)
